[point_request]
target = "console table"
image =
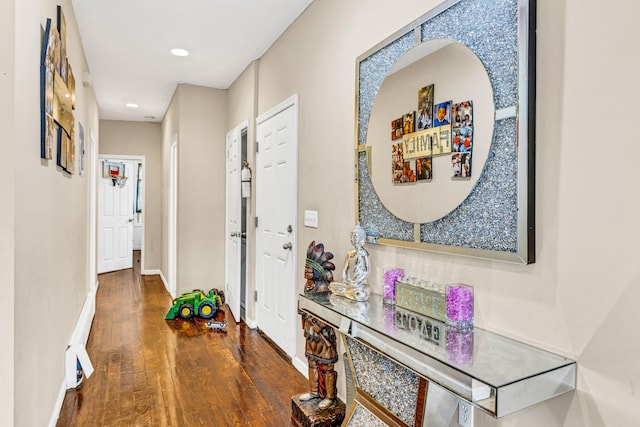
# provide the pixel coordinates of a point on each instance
(410, 370)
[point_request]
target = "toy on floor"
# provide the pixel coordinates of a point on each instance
(196, 303)
(217, 325)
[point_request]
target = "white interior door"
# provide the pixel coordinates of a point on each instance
(276, 201)
(115, 224)
(234, 224)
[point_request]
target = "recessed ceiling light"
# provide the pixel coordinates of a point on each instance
(180, 52)
(132, 105)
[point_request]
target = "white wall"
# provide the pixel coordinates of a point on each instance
(50, 224)
(579, 299)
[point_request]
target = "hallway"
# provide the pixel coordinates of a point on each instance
(155, 372)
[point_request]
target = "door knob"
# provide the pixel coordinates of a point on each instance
(130, 219)
(233, 234)
(287, 245)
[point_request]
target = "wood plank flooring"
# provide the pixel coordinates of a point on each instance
(155, 372)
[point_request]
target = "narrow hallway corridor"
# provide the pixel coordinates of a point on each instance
(155, 372)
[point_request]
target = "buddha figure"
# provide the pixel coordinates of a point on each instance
(356, 269)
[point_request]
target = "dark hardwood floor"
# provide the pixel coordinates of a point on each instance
(155, 372)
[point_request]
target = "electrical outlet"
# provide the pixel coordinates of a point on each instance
(465, 414)
(311, 219)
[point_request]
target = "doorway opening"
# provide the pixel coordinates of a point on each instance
(243, 237)
(236, 206)
(173, 218)
(92, 155)
(120, 207)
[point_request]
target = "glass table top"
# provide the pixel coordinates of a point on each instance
(493, 359)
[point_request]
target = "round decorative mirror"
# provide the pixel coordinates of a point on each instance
(451, 72)
(477, 200)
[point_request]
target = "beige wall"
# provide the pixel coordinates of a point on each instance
(201, 188)
(51, 224)
(579, 299)
(141, 139)
(198, 115)
(7, 193)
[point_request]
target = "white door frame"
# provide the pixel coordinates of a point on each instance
(290, 102)
(234, 305)
(133, 158)
(93, 212)
(172, 219)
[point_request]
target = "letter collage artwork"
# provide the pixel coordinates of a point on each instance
(445, 128)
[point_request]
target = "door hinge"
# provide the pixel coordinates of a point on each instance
(257, 147)
(256, 222)
(255, 296)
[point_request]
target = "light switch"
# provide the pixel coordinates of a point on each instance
(311, 219)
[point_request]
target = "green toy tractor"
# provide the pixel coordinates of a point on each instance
(196, 303)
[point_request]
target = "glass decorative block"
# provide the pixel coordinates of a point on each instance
(389, 286)
(459, 305)
(460, 346)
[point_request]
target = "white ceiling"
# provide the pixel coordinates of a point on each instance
(127, 44)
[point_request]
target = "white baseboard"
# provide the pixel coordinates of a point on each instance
(165, 282)
(301, 365)
(151, 272)
(251, 323)
(53, 421)
(80, 335)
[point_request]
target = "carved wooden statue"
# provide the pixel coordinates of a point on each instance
(320, 406)
(318, 269)
(321, 353)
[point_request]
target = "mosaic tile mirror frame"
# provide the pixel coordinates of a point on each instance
(485, 206)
